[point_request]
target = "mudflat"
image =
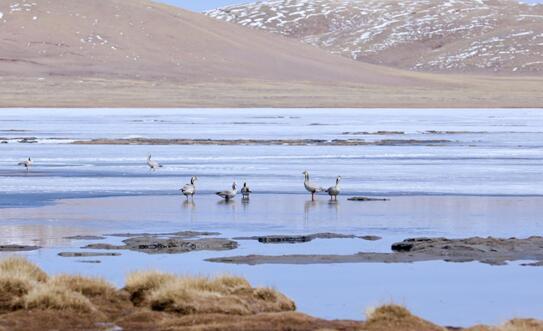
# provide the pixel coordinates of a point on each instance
(493, 251)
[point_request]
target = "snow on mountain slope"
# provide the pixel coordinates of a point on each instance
(474, 36)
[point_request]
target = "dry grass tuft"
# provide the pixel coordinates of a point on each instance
(201, 295)
(522, 325)
(396, 317)
(20, 265)
(139, 284)
(12, 288)
(17, 278)
(89, 287)
(512, 325)
(388, 312)
(55, 297)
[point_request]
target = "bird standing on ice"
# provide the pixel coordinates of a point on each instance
(26, 163)
(153, 165)
(228, 194)
(334, 191)
(310, 186)
(246, 191)
(190, 189)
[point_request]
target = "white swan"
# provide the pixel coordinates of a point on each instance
(310, 186)
(26, 163)
(228, 194)
(153, 165)
(190, 189)
(246, 191)
(334, 191)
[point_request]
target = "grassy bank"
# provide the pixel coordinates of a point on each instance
(32, 300)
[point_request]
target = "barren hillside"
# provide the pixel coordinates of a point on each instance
(142, 39)
(461, 36)
(138, 53)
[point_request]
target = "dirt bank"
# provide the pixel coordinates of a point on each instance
(32, 300)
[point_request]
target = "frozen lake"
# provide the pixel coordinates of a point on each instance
(483, 177)
(489, 152)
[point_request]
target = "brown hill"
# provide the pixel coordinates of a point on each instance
(145, 40)
(137, 53)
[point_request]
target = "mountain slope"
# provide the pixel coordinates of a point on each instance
(137, 53)
(467, 36)
(144, 40)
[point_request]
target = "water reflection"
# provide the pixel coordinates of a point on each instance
(189, 204)
(226, 202)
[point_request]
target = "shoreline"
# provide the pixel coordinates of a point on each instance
(155, 300)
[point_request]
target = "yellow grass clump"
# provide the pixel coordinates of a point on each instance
(20, 265)
(89, 287)
(522, 325)
(17, 278)
(512, 325)
(140, 284)
(51, 296)
(202, 295)
(396, 317)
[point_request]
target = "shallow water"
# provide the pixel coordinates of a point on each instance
(486, 181)
(447, 293)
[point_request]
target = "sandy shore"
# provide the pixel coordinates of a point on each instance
(450, 91)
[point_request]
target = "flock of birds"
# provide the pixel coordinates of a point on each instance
(189, 189)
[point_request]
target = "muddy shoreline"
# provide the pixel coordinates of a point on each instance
(293, 239)
(492, 251)
(151, 300)
(168, 243)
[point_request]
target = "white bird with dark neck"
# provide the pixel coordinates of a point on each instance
(334, 191)
(246, 191)
(310, 186)
(26, 163)
(228, 194)
(189, 190)
(153, 165)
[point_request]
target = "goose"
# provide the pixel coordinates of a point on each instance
(310, 186)
(190, 189)
(245, 191)
(153, 165)
(334, 191)
(26, 163)
(228, 194)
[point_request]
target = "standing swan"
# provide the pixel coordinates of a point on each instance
(190, 189)
(246, 191)
(26, 163)
(310, 186)
(228, 194)
(153, 165)
(334, 191)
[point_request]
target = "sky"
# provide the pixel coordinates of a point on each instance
(201, 5)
